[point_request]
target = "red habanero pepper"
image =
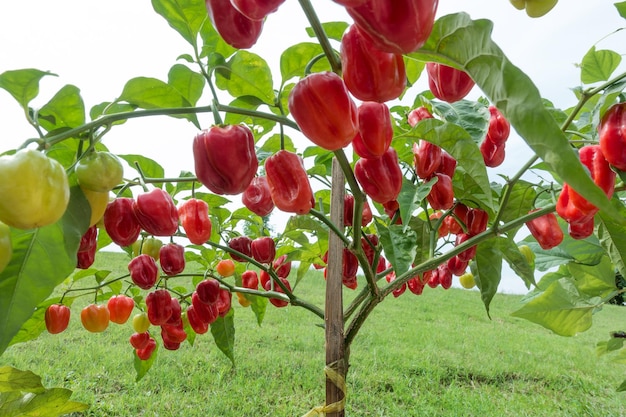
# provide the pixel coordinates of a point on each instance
(57, 318)
(323, 109)
(416, 285)
(172, 259)
(194, 218)
(369, 243)
(391, 277)
(277, 288)
(457, 266)
(369, 73)
(445, 276)
(546, 230)
(499, 128)
(441, 196)
(282, 266)
(493, 154)
(120, 308)
(612, 135)
(240, 244)
(159, 305)
(257, 197)
(381, 179)
(468, 254)
(417, 115)
(348, 211)
(87, 248)
(156, 213)
(224, 158)
(263, 249)
(568, 211)
(477, 220)
(349, 269)
(196, 322)
(120, 221)
(602, 175)
(236, 29)
(581, 230)
(208, 291)
(447, 83)
(250, 279)
(289, 183)
(206, 312)
(375, 130)
(427, 158)
(398, 26)
(143, 271)
(256, 9)
(448, 164)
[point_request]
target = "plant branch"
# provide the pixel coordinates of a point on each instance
(311, 16)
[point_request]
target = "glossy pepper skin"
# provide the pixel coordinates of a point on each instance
(323, 109)
(370, 74)
(236, 29)
(417, 115)
(156, 212)
(159, 305)
(493, 154)
(441, 196)
(172, 259)
(143, 271)
(257, 197)
(546, 230)
(427, 159)
(263, 249)
(120, 308)
(87, 248)
(381, 179)
(348, 211)
(289, 183)
(224, 158)
(194, 218)
(499, 127)
(241, 244)
(256, 9)
(120, 221)
(447, 83)
(398, 26)
(568, 211)
(602, 175)
(57, 318)
(375, 130)
(612, 135)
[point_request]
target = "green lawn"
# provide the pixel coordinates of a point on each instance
(437, 354)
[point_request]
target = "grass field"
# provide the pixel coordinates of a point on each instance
(433, 355)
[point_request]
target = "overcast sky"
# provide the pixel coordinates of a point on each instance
(98, 46)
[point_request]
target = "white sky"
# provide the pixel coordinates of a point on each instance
(98, 46)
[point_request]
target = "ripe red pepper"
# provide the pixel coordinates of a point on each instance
(57, 318)
(457, 266)
(391, 277)
(176, 317)
(468, 254)
(139, 340)
(581, 230)
(445, 276)
(375, 130)
(240, 244)
(447, 83)
(322, 108)
(427, 159)
(256, 9)
(277, 301)
(499, 128)
(369, 73)
(263, 249)
(546, 230)
(120, 221)
(156, 213)
(159, 305)
(208, 291)
(194, 218)
(87, 248)
(225, 159)
(448, 164)
(206, 312)
(348, 211)
(493, 154)
(417, 115)
(195, 321)
(369, 244)
(282, 266)
(236, 29)
(381, 179)
(350, 267)
(441, 196)
(477, 220)
(257, 197)
(145, 353)
(612, 135)
(602, 175)
(398, 26)
(120, 308)
(416, 285)
(172, 259)
(289, 183)
(250, 279)
(143, 271)
(224, 302)
(568, 211)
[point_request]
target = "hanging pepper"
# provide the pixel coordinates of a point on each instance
(417, 115)
(448, 164)
(159, 305)
(369, 73)
(225, 159)
(172, 259)
(324, 111)
(120, 221)
(546, 230)
(447, 83)
(603, 176)
(375, 130)
(240, 244)
(493, 154)
(581, 230)
(568, 211)
(143, 271)
(499, 128)
(256, 9)
(156, 213)
(612, 135)
(348, 211)
(194, 218)
(381, 179)
(87, 248)
(398, 26)
(257, 197)
(441, 196)
(236, 29)
(263, 249)
(427, 158)
(289, 183)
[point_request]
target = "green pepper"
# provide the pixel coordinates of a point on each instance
(534, 8)
(99, 171)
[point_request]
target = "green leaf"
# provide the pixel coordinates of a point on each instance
(613, 237)
(149, 167)
(42, 259)
(595, 281)
(470, 115)
(561, 308)
(424, 235)
(142, 367)
(458, 143)
(65, 109)
(246, 74)
(223, 331)
(23, 84)
(260, 125)
(466, 44)
(187, 82)
(107, 107)
(517, 261)
(12, 379)
(520, 202)
(598, 65)
(621, 9)
(294, 60)
(333, 30)
(258, 306)
(411, 196)
(399, 246)
(622, 386)
(52, 402)
(185, 16)
(413, 69)
(487, 269)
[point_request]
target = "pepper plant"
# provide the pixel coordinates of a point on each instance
(334, 127)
